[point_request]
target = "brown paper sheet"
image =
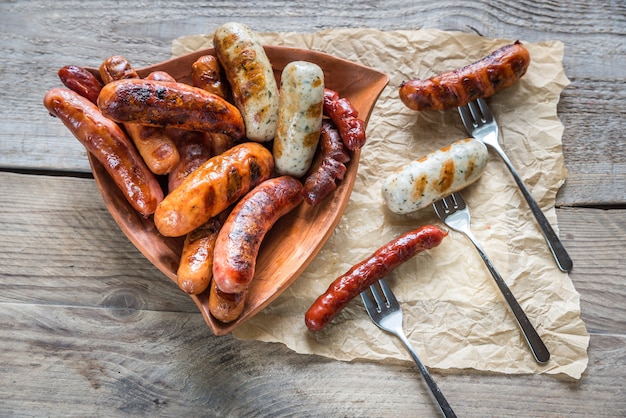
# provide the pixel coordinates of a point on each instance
(454, 314)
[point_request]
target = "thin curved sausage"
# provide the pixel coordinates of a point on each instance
(106, 141)
(365, 273)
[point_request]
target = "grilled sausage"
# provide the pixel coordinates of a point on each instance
(251, 78)
(161, 103)
(206, 73)
(226, 307)
(346, 118)
(299, 117)
(116, 68)
(324, 178)
(194, 149)
(153, 144)
(481, 79)
(196, 262)
(106, 141)
(434, 176)
(213, 187)
(239, 239)
(365, 273)
(81, 81)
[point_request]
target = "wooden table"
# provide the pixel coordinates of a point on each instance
(89, 327)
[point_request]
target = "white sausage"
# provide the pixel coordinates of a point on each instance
(251, 78)
(299, 117)
(434, 176)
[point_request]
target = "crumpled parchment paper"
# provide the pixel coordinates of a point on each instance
(454, 315)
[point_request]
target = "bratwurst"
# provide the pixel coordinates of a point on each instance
(435, 175)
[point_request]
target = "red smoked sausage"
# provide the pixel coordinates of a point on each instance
(332, 169)
(346, 119)
(81, 81)
(367, 272)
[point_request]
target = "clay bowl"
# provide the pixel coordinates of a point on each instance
(296, 239)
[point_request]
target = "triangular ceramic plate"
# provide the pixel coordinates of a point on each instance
(296, 239)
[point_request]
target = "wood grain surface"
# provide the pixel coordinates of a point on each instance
(88, 327)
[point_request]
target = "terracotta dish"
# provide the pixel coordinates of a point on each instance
(296, 239)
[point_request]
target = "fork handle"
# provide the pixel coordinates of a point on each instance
(562, 258)
(538, 348)
(444, 406)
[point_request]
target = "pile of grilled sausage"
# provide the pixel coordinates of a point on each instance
(236, 155)
(237, 151)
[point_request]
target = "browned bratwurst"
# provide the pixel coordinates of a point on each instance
(484, 78)
(239, 239)
(162, 103)
(212, 188)
(106, 141)
(367, 272)
(81, 81)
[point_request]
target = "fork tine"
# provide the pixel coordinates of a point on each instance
(377, 296)
(476, 113)
(368, 301)
(484, 110)
(467, 118)
(391, 298)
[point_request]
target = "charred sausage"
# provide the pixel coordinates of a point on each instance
(161, 103)
(323, 180)
(481, 79)
(346, 119)
(155, 147)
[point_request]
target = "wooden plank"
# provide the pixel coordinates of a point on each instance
(60, 361)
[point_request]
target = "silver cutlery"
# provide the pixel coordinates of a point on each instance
(384, 310)
(453, 211)
(480, 123)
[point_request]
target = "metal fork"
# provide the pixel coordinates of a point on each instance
(453, 211)
(480, 123)
(384, 310)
